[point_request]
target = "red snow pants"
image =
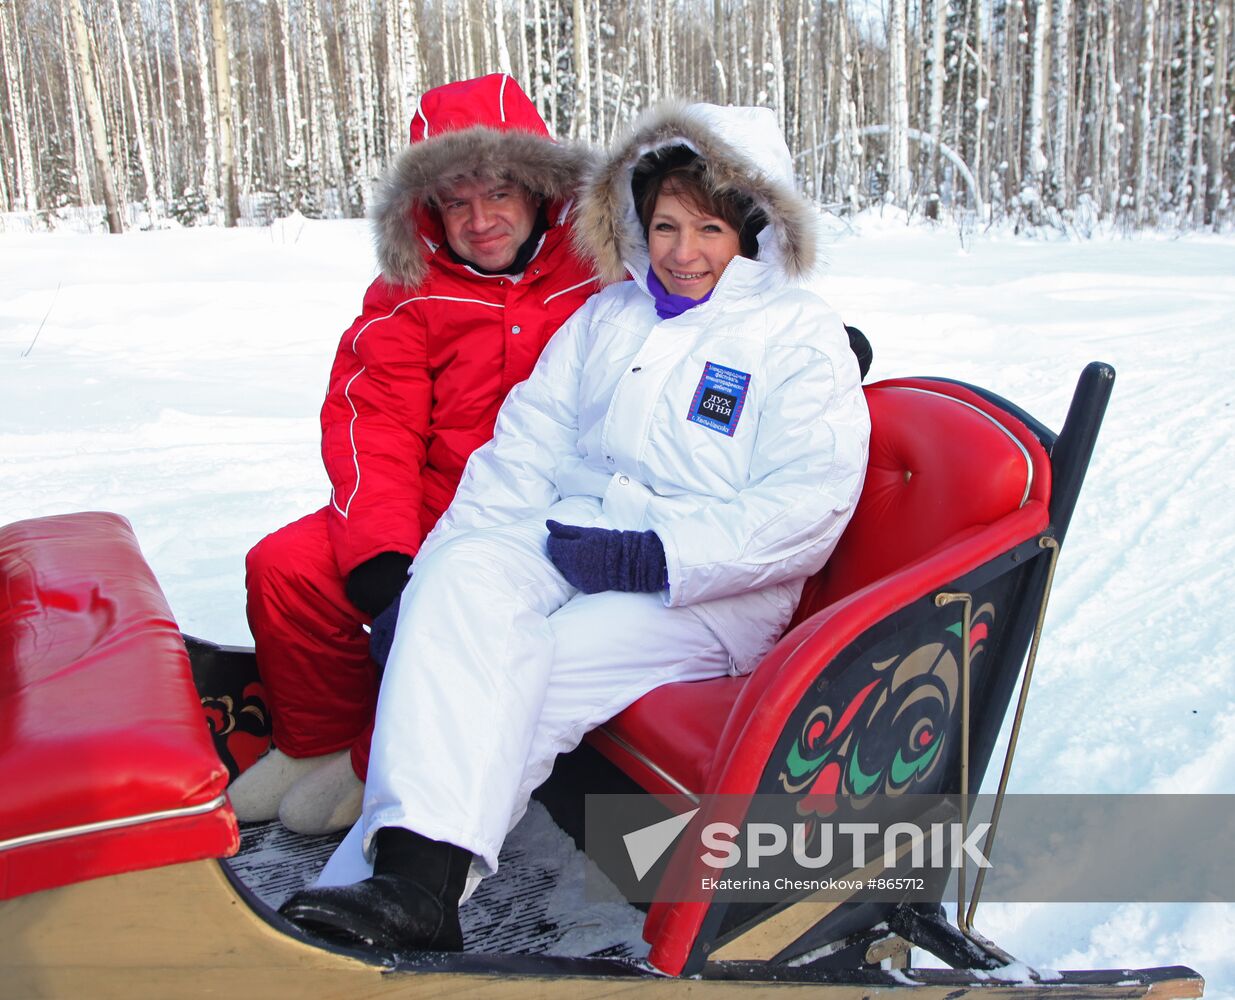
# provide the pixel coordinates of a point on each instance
(312, 653)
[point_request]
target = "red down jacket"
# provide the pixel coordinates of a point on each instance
(415, 388)
(417, 383)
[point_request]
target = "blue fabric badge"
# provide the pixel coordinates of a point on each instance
(719, 399)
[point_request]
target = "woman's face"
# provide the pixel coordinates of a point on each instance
(689, 251)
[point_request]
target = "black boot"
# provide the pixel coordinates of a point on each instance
(411, 903)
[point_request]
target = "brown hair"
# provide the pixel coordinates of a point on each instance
(686, 181)
(687, 184)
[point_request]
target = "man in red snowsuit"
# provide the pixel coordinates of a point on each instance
(478, 271)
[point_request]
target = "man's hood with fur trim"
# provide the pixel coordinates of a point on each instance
(742, 150)
(483, 129)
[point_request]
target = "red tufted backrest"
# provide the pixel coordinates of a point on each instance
(944, 463)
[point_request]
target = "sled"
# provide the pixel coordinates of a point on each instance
(123, 871)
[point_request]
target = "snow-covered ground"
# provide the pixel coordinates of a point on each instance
(175, 377)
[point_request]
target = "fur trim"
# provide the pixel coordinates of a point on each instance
(551, 170)
(607, 233)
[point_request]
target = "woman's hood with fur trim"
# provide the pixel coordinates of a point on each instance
(404, 217)
(742, 150)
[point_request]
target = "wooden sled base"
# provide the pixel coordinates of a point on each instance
(187, 930)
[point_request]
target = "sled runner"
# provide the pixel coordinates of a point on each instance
(123, 871)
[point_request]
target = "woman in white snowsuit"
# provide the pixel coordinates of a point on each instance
(686, 452)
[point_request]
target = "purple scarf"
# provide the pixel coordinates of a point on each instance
(669, 305)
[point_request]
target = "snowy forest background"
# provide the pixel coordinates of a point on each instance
(1066, 114)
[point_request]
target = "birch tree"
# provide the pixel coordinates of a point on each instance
(1144, 133)
(539, 65)
(81, 169)
(5, 201)
(25, 188)
(356, 118)
(1217, 195)
(849, 146)
(139, 122)
(1109, 150)
(938, 75)
(223, 102)
(1061, 88)
(404, 69)
(981, 104)
(324, 117)
(413, 74)
(94, 115)
(776, 58)
(499, 37)
(161, 123)
(581, 124)
(898, 105)
(1035, 159)
(1191, 179)
(647, 36)
(718, 51)
(210, 170)
(597, 33)
(467, 31)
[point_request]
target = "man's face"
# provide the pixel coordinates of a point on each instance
(487, 221)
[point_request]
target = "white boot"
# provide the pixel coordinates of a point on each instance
(326, 800)
(256, 794)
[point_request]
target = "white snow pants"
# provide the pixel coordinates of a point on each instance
(498, 665)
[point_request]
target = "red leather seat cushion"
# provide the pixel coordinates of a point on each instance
(99, 719)
(666, 740)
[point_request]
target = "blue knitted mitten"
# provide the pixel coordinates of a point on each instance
(599, 559)
(382, 633)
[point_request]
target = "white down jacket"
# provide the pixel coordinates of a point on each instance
(736, 431)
